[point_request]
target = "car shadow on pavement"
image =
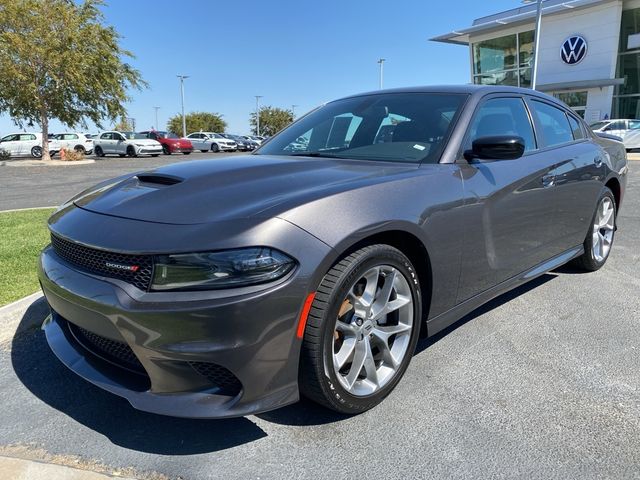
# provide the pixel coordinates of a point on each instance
(49, 380)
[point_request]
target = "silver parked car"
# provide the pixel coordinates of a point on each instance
(616, 126)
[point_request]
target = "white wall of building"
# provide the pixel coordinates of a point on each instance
(599, 25)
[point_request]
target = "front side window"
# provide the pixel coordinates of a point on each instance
(503, 116)
(395, 127)
(553, 122)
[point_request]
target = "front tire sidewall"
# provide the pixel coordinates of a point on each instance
(340, 398)
(215, 148)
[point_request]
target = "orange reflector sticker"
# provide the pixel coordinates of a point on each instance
(302, 322)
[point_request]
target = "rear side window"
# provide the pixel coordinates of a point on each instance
(554, 124)
(576, 128)
(503, 116)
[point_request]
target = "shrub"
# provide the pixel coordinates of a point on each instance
(4, 155)
(71, 155)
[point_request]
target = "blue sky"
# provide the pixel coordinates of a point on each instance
(291, 52)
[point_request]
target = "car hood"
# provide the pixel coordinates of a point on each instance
(229, 188)
(144, 141)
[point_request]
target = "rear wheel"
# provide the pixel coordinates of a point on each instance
(80, 149)
(204, 151)
(362, 330)
(36, 152)
(599, 241)
(186, 153)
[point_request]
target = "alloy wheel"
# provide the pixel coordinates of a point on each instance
(603, 229)
(373, 330)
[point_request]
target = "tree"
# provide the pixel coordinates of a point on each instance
(196, 122)
(272, 120)
(124, 125)
(59, 60)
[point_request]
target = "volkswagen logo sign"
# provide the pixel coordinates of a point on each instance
(573, 50)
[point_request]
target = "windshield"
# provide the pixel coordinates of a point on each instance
(598, 125)
(133, 135)
(396, 127)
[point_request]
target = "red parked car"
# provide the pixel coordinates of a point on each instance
(171, 143)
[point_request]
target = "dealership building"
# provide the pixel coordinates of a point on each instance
(589, 55)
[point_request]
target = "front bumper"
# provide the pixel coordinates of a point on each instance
(149, 150)
(249, 333)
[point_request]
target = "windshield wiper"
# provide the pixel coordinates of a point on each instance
(315, 154)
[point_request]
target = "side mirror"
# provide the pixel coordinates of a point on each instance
(501, 147)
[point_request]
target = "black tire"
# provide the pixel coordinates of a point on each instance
(186, 153)
(317, 378)
(588, 261)
(215, 148)
(155, 154)
(121, 155)
(98, 151)
(36, 152)
(131, 152)
(204, 151)
(166, 150)
(80, 149)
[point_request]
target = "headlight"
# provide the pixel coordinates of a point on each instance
(139, 145)
(213, 270)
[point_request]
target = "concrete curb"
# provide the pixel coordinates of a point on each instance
(41, 163)
(20, 469)
(26, 209)
(21, 315)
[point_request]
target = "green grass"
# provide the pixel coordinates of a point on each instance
(22, 235)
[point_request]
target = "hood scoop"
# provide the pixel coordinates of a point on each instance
(158, 179)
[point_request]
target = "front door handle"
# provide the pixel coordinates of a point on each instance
(548, 181)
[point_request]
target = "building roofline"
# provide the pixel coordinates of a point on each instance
(513, 17)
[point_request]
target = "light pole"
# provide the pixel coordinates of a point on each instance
(534, 75)
(381, 63)
(293, 111)
(258, 97)
(156, 109)
(184, 120)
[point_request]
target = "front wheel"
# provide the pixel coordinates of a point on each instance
(98, 151)
(599, 241)
(362, 330)
(166, 150)
(131, 152)
(36, 152)
(215, 148)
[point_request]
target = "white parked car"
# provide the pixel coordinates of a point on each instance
(26, 144)
(125, 143)
(205, 141)
(615, 126)
(75, 141)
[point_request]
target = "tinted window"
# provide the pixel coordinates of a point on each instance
(554, 124)
(619, 125)
(503, 116)
(27, 137)
(576, 128)
(351, 128)
(9, 138)
(634, 124)
(106, 136)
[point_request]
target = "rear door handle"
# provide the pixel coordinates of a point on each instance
(548, 181)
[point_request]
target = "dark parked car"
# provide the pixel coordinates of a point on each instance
(227, 287)
(244, 145)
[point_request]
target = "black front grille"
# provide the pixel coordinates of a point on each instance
(118, 353)
(219, 376)
(96, 261)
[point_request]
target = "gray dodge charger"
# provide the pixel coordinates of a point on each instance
(232, 286)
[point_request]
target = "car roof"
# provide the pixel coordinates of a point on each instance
(468, 89)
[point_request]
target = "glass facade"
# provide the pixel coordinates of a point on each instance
(626, 99)
(504, 60)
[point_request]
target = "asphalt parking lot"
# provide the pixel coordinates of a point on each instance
(55, 184)
(544, 382)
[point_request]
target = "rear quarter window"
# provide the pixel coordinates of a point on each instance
(553, 123)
